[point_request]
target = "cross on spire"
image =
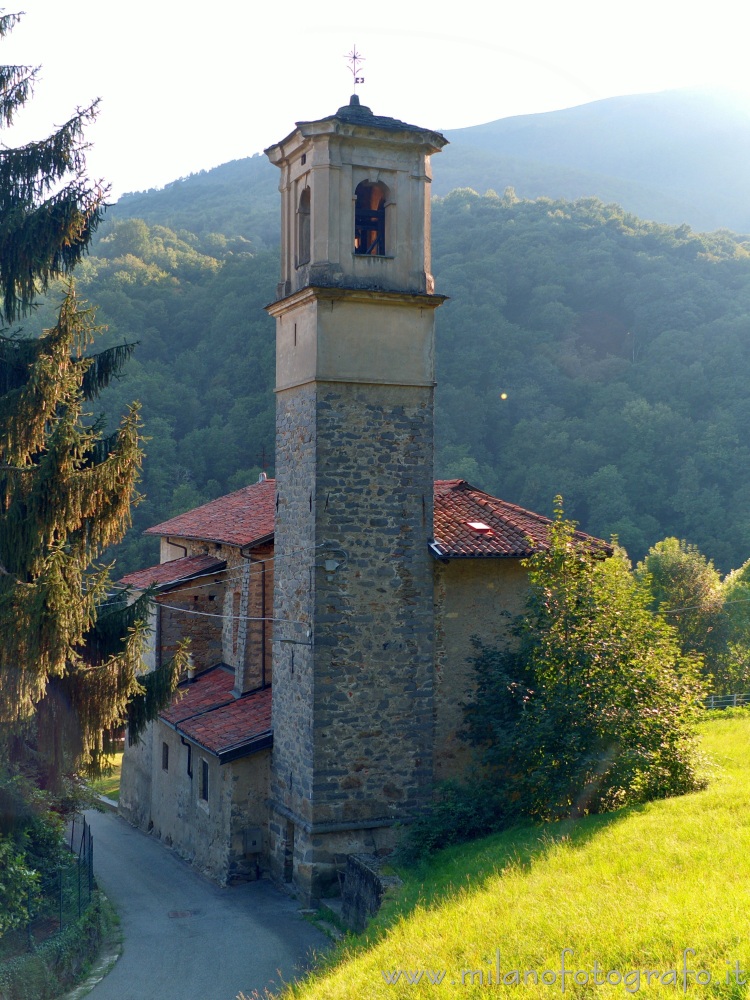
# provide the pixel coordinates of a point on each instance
(355, 60)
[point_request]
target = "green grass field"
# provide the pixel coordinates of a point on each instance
(632, 892)
(110, 785)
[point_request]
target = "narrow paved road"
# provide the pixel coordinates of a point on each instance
(185, 938)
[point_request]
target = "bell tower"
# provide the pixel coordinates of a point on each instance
(353, 664)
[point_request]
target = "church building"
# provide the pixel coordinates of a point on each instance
(330, 610)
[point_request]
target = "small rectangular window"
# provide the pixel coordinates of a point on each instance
(190, 760)
(204, 780)
(165, 756)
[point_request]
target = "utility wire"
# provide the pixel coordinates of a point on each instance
(697, 607)
(211, 614)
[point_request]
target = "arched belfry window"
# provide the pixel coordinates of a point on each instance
(303, 228)
(369, 219)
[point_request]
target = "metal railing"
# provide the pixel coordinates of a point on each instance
(65, 895)
(726, 700)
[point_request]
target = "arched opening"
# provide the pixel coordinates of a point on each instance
(369, 219)
(303, 228)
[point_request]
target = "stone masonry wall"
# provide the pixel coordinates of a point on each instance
(161, 794)
(243, 595)
(374, 608)
(473, 597)
(253, 647)
(353, 715)
(364, 889)
(292, 758)
(187, 612)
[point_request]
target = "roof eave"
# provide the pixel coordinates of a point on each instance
(268, 536)
(236, 751)
(248, 747)
(448, 556)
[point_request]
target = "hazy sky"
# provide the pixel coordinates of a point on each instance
(187, 87)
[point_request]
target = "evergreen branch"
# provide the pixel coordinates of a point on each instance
(65, 488)
(16, 85)
(115, 621)
(8, 22)
(158, 688)
(45, 243)
(102, 448)
(16, 357)
(104, 366)
(28, 173)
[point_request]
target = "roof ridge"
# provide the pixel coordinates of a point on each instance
(224, 496)
(486, 500)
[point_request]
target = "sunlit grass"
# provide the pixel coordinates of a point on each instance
(631, 891)
(110, 784)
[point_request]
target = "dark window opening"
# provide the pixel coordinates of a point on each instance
(204, 780)
(303, 228)
(165, 756)
(189, 761)
(369, 219)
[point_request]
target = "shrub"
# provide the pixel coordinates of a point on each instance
(594, 710)
(18, 885)
(459, 813)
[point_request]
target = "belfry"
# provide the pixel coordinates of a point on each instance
(353, 698)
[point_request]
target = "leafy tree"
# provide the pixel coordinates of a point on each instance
(593, 709)
(687, 590)
(68, 666)
(735, 664)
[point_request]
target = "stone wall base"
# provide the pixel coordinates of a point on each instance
(364, 888)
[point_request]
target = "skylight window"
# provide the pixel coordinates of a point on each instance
(480, 526)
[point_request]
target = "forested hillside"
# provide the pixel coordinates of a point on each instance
(677, 156)
(582, 351)
(623, 348)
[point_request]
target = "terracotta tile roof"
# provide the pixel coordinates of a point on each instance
(240, 518)
(206, 712)
(469, 523)
(174, 571)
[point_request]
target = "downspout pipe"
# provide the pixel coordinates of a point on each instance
(262, 562)
(177, 546)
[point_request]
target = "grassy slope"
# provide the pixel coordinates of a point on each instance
(110, 784)
(631, 890)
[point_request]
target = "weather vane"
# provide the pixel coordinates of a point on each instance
(355, 61)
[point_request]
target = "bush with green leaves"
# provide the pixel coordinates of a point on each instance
(18, 886)
(594, 709)
(459, 812)
(735, 676)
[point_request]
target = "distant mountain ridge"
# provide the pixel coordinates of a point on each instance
(681, 154)
(675, 157)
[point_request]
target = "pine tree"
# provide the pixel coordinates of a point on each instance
(69, 656)
(48, 208)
